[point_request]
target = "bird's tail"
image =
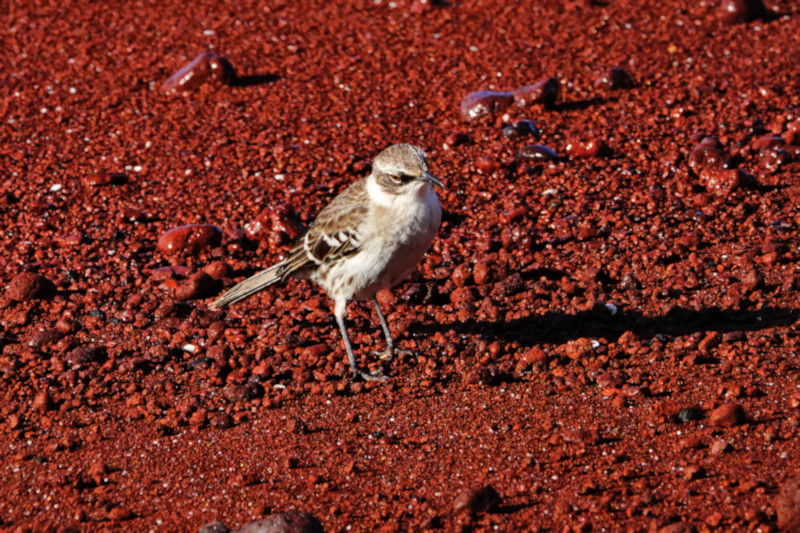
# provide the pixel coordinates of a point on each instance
(250, 286)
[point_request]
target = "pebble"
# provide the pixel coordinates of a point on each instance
(104, 178)
(787, 505)
(83, 355)
(736, 11)
(537, 153)
(204, 67)
(521, 128)
(578, 348)
(191, 239)
(708, 155)
(727, 415)
(535, 357)
(580, 436)
(482, 272)
(722, 183)
(774, 158)
(288, 522)
(462, 298)
(43, 402)
(44, 337)
(481, 103)
(218, 270)
(198, 285)
(616, 78)
(477, 500)
(29, 286)
(235, 392)
(542, 92)
(486, 165)
(279, 225)
(71, 239)
(222, 421)
(592, 148)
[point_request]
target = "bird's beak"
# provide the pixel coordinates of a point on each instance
(432, 180)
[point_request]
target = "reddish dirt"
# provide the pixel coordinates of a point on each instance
(607, 337)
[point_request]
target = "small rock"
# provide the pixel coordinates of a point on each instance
(486, 165)
(787, 505)
(578, 349)
(477, 500)
(44, 337)
(542, 92)
(119, 513)
(71, 239)
(191, 239)
(29, 286)
(722, 183)
(218, 270)
(234, 392)
(481, 103)
(727, 415)
(521, 128)
(592, 148)
(580, 436)
(288, 522)
(709, 154)
(537, 153)
(222, 421)
(616, 78)
(535, 357)
(104, 178)
(198, 285)
(736, 11)
(279, 225)
(42, 402)
(204, 67)
(85, 354)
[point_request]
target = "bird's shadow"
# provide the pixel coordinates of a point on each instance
(580, 105)
(255, 79)
(599, 322)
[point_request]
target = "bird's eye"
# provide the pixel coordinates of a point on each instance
(401, 178)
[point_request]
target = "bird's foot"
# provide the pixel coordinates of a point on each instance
(389, 353)
(369, 376)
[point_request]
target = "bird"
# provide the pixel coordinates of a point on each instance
(368, 238)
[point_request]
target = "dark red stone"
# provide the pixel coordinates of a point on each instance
(542, 92)
(204, 67)
(482, 103)
(29, 286)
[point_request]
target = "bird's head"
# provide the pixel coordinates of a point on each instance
(402, 169)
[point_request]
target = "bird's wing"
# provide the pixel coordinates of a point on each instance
(335, 233)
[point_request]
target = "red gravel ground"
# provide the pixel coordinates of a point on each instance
(608, 338)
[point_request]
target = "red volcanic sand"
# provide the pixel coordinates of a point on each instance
(608, 336)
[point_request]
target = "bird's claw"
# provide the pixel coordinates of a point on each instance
(369, 376)
(389, 353)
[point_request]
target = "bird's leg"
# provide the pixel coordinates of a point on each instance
(339, 313)
(388, 354)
